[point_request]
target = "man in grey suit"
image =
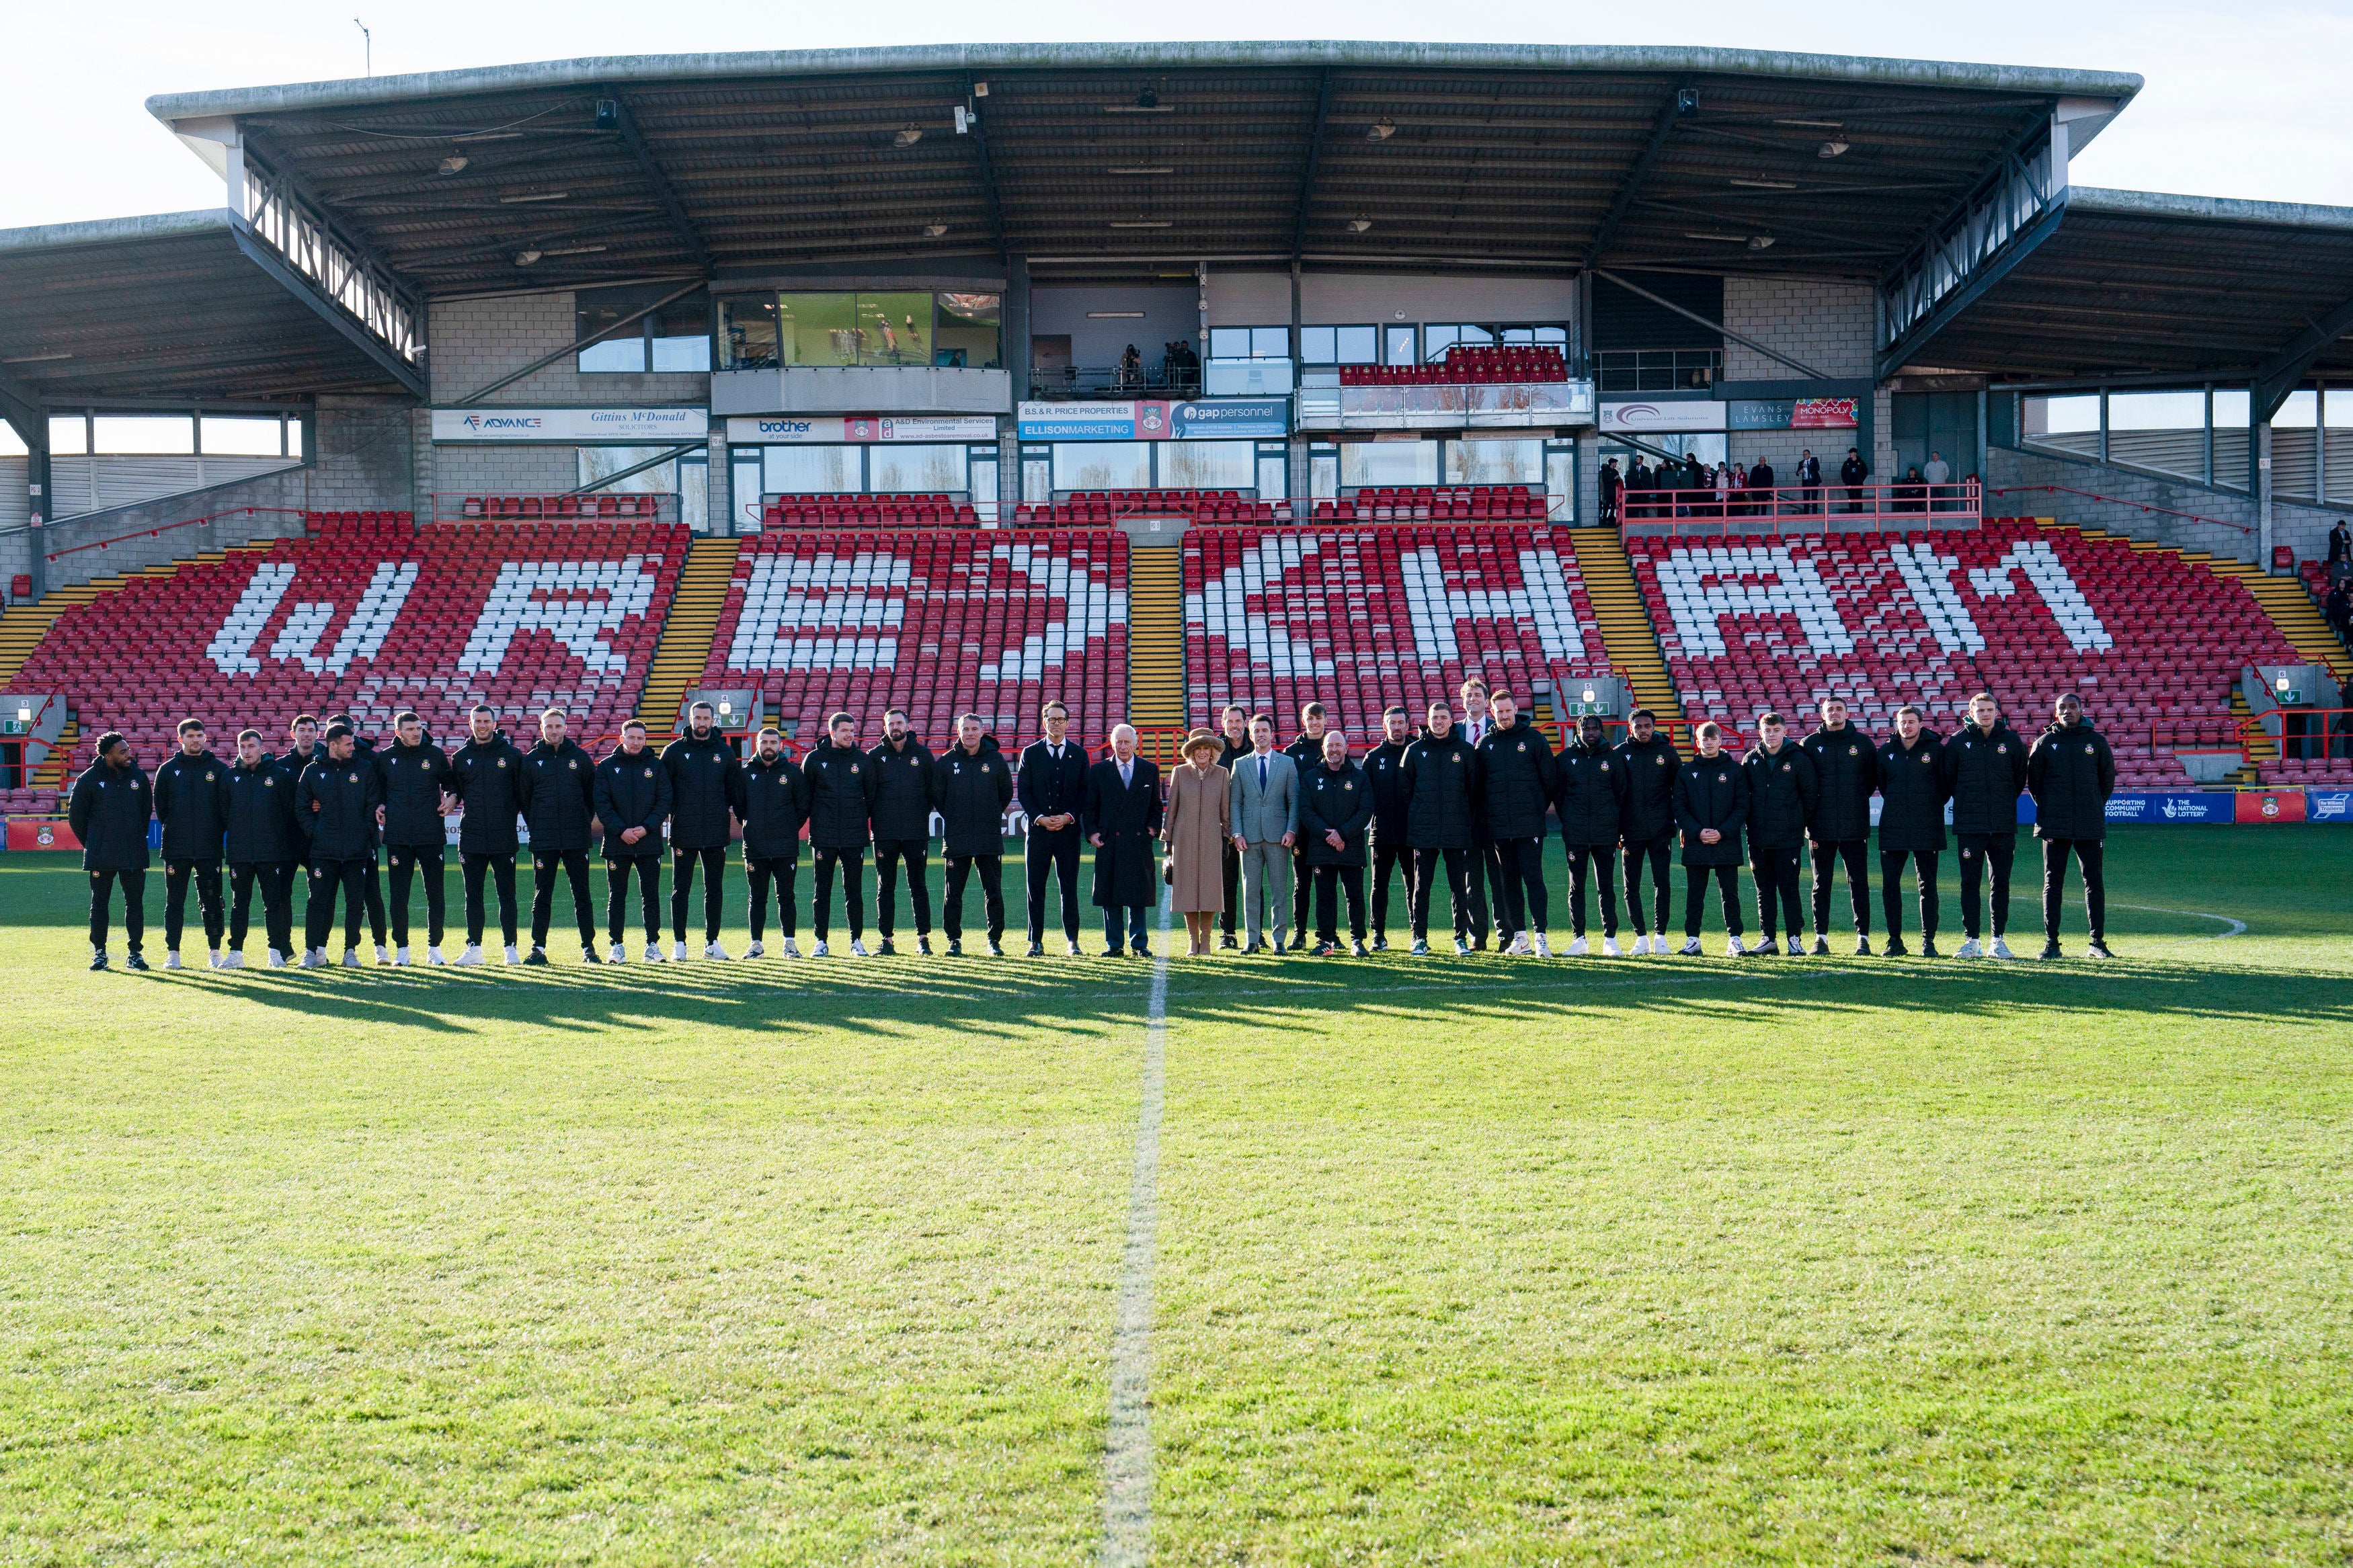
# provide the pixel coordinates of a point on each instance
(1265, 814)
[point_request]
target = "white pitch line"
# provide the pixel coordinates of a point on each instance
(1127, 1457)
(2238, 928)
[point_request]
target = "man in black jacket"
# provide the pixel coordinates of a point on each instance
(559, 796)
(486, 775)
(906, 784)
(1306, 754)
(703, 777)
(1487, 897)
(1810, 482)
(773, 800)
(1335, 807)
(302, 749)
(1846, 772)
(1852, 474)
(416, 778)
(335, 805)
(1591, 804)
(109, 812)
(1911, 826)
(1647, 834)
(632, 801)
(1518, 777)
(1985, 769)
(1119, 813)
(975, 786)
(371, 880)
(2071, 772)
(1234, 724)
(1781, 801)
(1385, 773)
(1052, 782)
(1441, 821)
(191, 793)
(265, 845)
(843, 782)
(1710, 814)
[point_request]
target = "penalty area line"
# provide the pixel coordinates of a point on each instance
(1127, 1455)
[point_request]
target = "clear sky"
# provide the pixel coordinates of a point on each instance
(2244, 99)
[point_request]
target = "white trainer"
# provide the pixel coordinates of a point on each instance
(1519, 945)
(678, 951)
(215, 960)
(1544, 948)
(1691, 947)
(1576, 948)
(350, 958)
(616, 955)
(818, 949)
(714, 950)
(233, 961)
(792, 948)
(1969, 949)
(277, 959)
(1610, 948)
(1421, 948)
(2001, 949)
(1075, 949)
(513, 957)
(857, 948)
(382, 957)
(433, 956)
(755, 950)
(311, 959)
(1461, 948)
(400, 958)
(471, 956)
(172, 959)
(1732, 948)
(654, 953)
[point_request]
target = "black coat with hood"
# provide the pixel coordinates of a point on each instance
(1337, 802)
(1781, 795)
(1517, 778)
(632, 792)
(335, 807)
(261, 827)
(1652, 766)
(1712, 792)
(703, 778)
(774, 801)
(1985, 771)
(1846, 772)
(974, 789)
(192, 803)
(559, 796)
(1442, 805)
(1912, 794)
(488, 779)
(108, 812)
(2071, 772)
(1591, 800)
(843, 784)
(415, 779)
(906, 788)
(1384, 768)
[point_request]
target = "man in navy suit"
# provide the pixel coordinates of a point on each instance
(1121, 812)
(1052, 783)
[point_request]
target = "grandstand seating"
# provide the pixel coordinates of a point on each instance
(1465, 366)
(1436, 503)
(860, 510)
(1360, 617)
(565, 508)
(938, 623)
(372, 617)
(2015, 609)
(1084, 507)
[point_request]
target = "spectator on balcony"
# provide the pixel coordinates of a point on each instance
(1912, 495)
(1939, 475)
(1852, 474)
(1728, 480)
(1810, 482)
(1131, 368)
(1698, 477)
(1760, 479)
(1639, 479)
(2338, 609)
(1612, 486)
(2341, 553)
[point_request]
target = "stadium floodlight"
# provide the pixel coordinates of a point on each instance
(1709, 234)
(1358, 225)
(536, 196)
(1761, 242)
(934, 230)
(1381, 130)
(1686, 101)
(908, 136)
(965, 120)
(1767, 184)
(525, 258)
(1831, 149)
(455, 164)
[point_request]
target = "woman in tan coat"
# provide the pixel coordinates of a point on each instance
(1198, 829)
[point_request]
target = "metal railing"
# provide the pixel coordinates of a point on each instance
(643, 506)
(1784, 509)
(2115, 501)
(1074, 383)
(162, 529)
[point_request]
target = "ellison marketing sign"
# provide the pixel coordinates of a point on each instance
(571, 425)
(1208, 419)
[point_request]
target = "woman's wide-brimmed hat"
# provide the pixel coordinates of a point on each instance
(1198, 739)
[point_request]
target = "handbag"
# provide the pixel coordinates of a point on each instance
(1169, 869)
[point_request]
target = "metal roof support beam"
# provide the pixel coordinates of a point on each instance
(290, 236)
(1773, 354)
(20, 406)
(1315, 158)
(979, 133)
(1972, 289)
(634, 140)
(1663, 128)
(267, 257)
(669, 454)
(2276, 376)
(544, 361)
(2014, 207)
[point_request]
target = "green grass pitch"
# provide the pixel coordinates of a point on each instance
(1477, 1261)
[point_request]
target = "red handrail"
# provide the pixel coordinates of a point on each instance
(167, 528)
(1877, 506)
(2115, 501)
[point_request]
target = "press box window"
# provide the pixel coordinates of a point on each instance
(1250, 342)
(1339, 345)
(675, 338)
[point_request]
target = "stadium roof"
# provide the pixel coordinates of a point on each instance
(166, 306)
(1111, 157)
(2136, 283)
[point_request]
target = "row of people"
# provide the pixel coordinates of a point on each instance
(1248, 828)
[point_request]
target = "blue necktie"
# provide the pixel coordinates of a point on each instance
(1261, 775)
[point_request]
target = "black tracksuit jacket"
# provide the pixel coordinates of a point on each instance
(488, 776)
(1653, 767)
(632, 792)
(1846, 772)
(192, 803)
(843, 784)
(975, 788)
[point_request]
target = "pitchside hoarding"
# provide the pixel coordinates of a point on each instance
(1208, 419)
(570, 426)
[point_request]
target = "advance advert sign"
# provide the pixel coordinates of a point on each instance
(571, 425)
